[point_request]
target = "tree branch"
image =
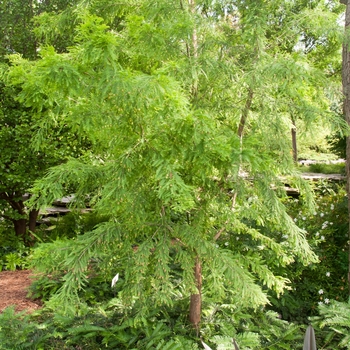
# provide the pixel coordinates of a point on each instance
(246, 110)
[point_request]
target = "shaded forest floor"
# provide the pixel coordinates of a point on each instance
(14, 289)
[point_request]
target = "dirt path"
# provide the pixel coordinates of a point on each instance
(13, 290)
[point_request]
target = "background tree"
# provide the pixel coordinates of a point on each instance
(21, 163)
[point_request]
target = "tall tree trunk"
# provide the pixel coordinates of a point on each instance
(346, 109)
(196, 299)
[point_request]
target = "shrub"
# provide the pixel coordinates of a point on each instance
(327, 233)
(334, 324)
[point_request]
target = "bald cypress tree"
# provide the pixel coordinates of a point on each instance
(187, 105)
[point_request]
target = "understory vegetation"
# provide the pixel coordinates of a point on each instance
(317, 293)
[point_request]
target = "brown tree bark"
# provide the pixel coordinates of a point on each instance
(196, 299)
(27, 222)
(33, 215)
(245, 112)
(346, 110)
(20, 226)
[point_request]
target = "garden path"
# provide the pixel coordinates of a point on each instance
(14, 289)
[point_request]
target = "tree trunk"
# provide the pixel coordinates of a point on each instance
(20, 226)
(346, 110)
(294, 142)
(33, 215)
(245, 112)
(196, 299)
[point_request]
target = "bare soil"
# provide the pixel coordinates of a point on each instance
(14, 289)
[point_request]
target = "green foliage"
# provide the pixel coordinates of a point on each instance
(334, 322)
(337, 144)
(276, 333)
(21, 162)
(16, 331)
(109, 327)
(327, 233)
(43, 287)
(174, 102)
(328, 168)
(14, 261)
(166, 163)
(92, 330)
(260, 329)
(324, 168)
(13, 253)
(16, 25)
(69, 225)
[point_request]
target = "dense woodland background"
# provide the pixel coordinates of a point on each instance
(175, 127)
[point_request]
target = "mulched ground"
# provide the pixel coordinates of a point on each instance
(14, 289)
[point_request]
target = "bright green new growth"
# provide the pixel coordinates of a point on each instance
(168, 163)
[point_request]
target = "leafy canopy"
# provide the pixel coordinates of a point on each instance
(187, 108)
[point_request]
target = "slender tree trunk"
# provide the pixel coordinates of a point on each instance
(194, 53)
(346, 109)
(294, 141)
(196, 299)
(245, 112)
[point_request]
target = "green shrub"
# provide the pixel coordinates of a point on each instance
(92, 330)
(323, 168)
(337, 143)
(17, 332)
(104, 322)
(14, 261)
(334, 325)
(68, 226)
(13, 258)
(13, 252)
(337, 168)
(327, 233)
